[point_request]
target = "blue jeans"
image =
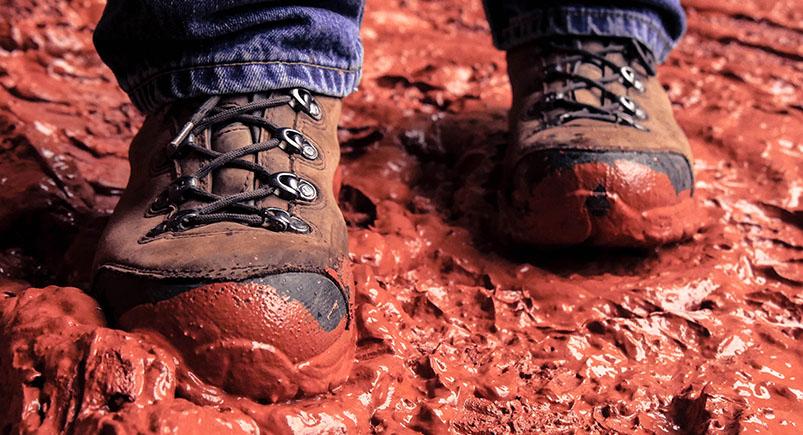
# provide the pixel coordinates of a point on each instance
(164, 50)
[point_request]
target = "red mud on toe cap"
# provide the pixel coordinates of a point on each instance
(252, 338)
(640, 172)
(561, 197)
(244, 310)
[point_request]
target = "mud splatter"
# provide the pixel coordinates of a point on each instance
(455, 332)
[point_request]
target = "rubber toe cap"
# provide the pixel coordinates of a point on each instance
(568, 196)
(267, 338)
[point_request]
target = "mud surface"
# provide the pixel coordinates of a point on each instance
(454, 331)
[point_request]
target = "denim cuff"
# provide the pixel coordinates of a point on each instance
(238, 77)
(643, 25)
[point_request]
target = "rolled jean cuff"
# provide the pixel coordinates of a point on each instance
(238, 77)
(644, 25)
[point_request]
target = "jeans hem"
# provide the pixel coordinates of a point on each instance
(645, 26)
(239, 77)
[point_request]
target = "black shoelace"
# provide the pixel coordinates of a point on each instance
(238, 207)
(560, 106)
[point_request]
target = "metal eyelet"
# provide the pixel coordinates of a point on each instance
(307, 190)
(299, 226)
(294, 142)
(553, 97)
(177, 191)
(564, 118)
(181, 221)
(290, 187)
(555, 69)
(629, 78)
(276, 219)
(160, 205)
(291, 140)
(155, 231)
(631, 107)
(303, 101)
(628, 120)
(309, 151)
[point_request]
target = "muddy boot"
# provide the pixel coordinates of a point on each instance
(596, 155)
(228, 241)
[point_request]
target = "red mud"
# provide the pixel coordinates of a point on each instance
(455, 333)
(275, 350)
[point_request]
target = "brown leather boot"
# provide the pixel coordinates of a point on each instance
(596, 155)
(229, 242)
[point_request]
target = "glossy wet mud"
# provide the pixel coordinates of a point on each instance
(454, 332)
(251, 339)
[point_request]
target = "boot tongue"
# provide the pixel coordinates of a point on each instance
(228, 137)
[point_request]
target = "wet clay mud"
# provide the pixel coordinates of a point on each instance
(455, 332)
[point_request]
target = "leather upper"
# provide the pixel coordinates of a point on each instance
(227, 250)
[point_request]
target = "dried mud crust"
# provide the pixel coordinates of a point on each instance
(454, 333)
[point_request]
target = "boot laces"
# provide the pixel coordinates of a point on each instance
(239, 207)
(560, 105)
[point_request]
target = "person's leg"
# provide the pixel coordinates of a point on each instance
(228, 239)
(595, 154)
(658, 24)
(164, 50)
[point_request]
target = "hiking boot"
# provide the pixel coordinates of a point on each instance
(228, 241)
(596, 156)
